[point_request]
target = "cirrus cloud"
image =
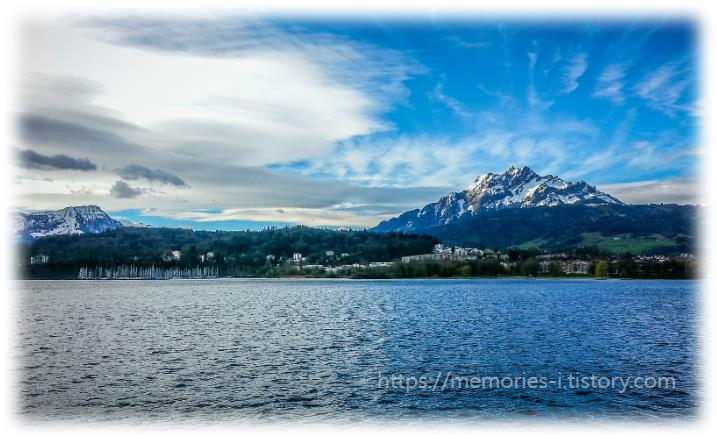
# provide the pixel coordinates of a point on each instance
(573, 71)
(610, 84)
(663, 88)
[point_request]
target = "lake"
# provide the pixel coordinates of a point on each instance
(342, 351)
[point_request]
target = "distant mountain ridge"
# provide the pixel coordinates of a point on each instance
(129, 223)
(86, 219)
(517, 187)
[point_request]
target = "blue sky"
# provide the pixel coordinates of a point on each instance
(587, 88)
(236, 123)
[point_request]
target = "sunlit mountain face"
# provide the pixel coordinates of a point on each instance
(517, 187)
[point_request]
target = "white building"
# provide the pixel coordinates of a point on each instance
(297, 257)
(544, 267)
(329, 253)
(446, 255)
(39, 259)
(577, 267)
(172, 256)
(456, 250)
(552, 256)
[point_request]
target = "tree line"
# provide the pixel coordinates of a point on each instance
(235, 253)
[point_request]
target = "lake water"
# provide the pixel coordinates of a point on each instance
(311, 350)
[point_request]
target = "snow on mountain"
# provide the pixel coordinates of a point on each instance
(130, 224)
(68, 221)
(518, 187)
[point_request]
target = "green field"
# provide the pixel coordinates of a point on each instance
(622, 243)
(535, 243)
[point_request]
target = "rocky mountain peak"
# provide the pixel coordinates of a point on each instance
(517, 187)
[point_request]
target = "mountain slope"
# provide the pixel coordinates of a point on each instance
(611, 227)
(88, 219)
(515, 188)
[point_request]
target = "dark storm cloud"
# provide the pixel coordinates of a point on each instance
(122, 190)
(135, 171)
(46, 130)
(30, 159)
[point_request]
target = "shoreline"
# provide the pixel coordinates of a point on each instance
(298, 278)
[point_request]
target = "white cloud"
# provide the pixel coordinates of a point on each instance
(660, 152)
(305, 216)
(451, 103)
(406, 161)
(575, 68)
(211, 115)
(534, 99)
(663, 88)
(452, 163)
(214, 102)
(668, 191)
(610, 84)
(644, 155)
(532, 60)
(471, 44)
(258, 105)
(608, 157)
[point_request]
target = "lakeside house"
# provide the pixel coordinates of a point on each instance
(435, 256)
(172, 256)
(380, 264)
(547, 263)
(342, 268)
(443, 252)
(556, 256)
(581, 267)
(39, 259)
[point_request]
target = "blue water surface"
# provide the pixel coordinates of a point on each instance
(312, 350)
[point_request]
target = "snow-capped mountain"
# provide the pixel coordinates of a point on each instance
(518, 187)
(69, 220)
